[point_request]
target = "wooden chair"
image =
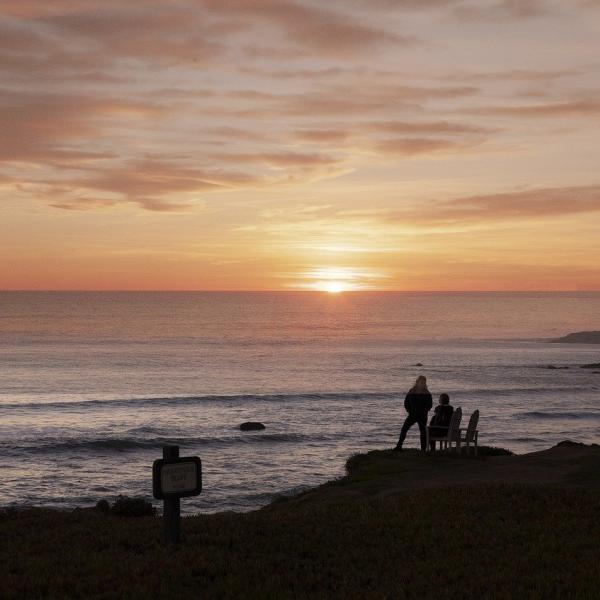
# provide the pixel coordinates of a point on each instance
(452, 435)
(470, 437)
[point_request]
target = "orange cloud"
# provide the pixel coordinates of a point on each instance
(149, 183)
(282, 159)
(341, 100)
(518, 75)
(323, 135)
(509, 9)
(40, 127)
(331, 134)
(164, 33)
(554, 109)
(417, 146)
(489, 210)
(492, 208)
(83, 203)
(193, 31)
(318, 30)
(155, 178)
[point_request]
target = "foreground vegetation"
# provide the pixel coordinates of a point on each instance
(484, 540)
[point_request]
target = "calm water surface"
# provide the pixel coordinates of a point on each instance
(93, 384)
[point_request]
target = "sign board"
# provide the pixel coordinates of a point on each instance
(176, 477)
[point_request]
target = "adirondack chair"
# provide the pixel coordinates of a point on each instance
(452, 435)
(470, 437)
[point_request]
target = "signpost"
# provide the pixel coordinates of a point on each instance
(173, 478)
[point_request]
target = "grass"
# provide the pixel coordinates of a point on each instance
(376, 461)
(485, 540)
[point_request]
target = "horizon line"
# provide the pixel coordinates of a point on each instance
(303, 291)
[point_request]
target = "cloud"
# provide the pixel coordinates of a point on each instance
(155, 102)
(150, 204)
(318, 30)
(236, 133)
(27, 50)
(169, 34)
(507, 206)
(503, 9)
(152, 184)
(399, 138)
(431, 127)
(456, 214)
(191, 32)
(50, 128)
(154, 205)
(545, 202)
(326, 136)
(409, 5)
(465, 9)
(516, 75)
(574, 108)
(417, 146)
(154, 178)
(329, 133)
(296, 73)
(28, 9)
(82, 204)
(342, 99)
(281, 159)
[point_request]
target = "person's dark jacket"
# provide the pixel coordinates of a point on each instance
(442, 416)
(418, 404)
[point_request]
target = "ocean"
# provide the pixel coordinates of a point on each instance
(93, 384)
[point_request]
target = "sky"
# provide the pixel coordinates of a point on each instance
(300, 145)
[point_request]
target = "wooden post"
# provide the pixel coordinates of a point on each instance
(172, 506)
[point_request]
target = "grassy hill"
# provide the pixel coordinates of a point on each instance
(400, 525)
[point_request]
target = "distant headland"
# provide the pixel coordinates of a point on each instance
(580, 337)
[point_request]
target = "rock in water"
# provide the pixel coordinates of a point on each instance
(252, 426)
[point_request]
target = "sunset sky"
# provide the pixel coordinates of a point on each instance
(291, 144)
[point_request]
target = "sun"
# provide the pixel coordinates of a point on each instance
(333, 287)
(334, 280)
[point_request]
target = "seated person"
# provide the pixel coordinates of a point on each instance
(438, 426)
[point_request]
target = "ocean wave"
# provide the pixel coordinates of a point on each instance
(122, 444)
(162, 401)
(185, 400)
(526, 439)
(537, 414)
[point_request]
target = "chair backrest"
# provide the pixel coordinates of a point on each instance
(455, 423)
(472, 427)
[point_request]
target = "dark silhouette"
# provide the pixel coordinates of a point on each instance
(438, 426)
(252, 426)
(418, 403)
(580, 337)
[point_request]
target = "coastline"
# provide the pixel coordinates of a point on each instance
(396, 525)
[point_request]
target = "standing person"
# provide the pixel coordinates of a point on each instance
(418, 403)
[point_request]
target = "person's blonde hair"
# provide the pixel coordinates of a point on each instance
(420, 386)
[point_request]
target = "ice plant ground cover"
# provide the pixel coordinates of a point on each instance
(366, 535)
